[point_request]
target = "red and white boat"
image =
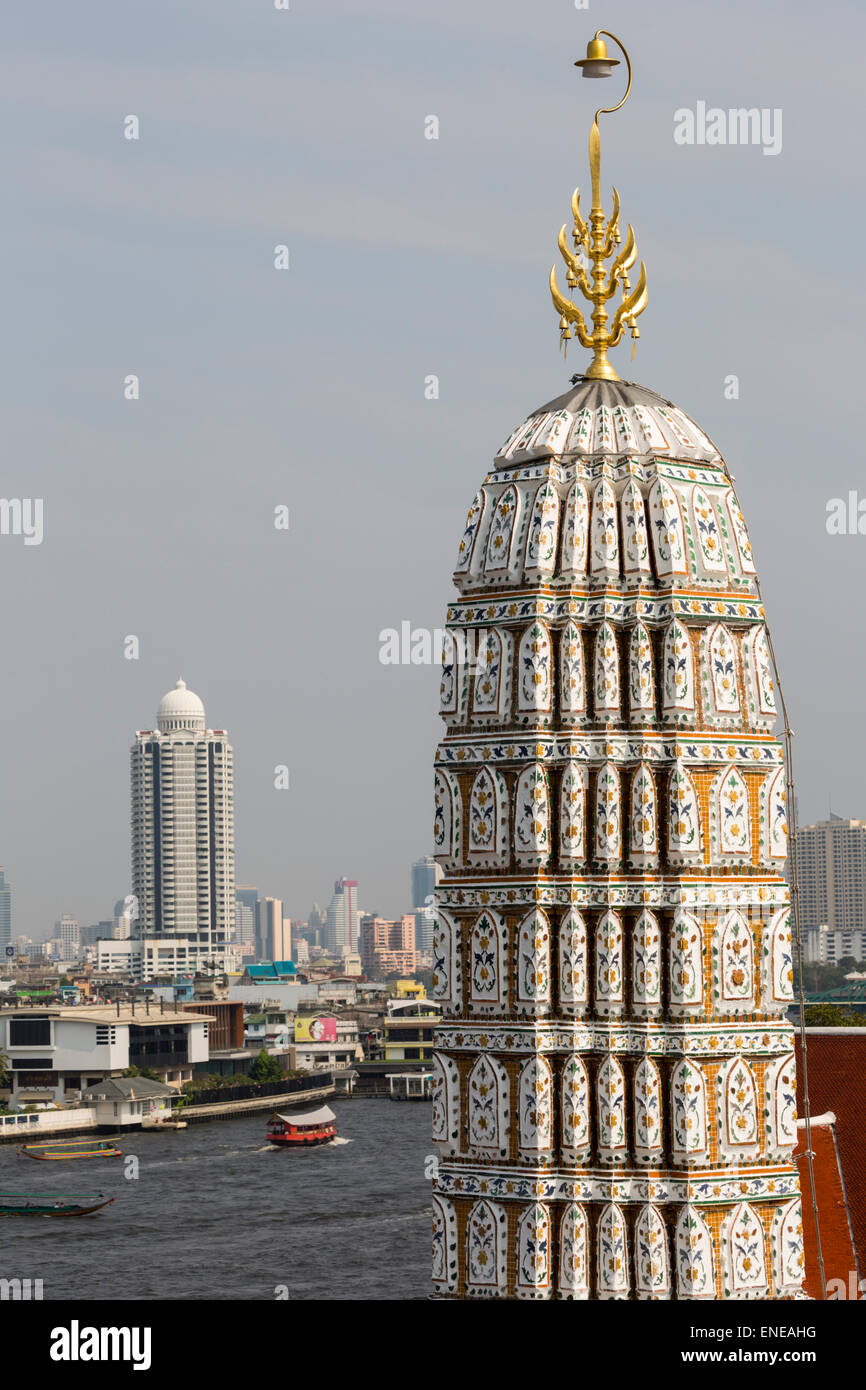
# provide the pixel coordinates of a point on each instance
(303, 1131)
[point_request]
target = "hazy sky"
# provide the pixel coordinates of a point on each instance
(306, 387)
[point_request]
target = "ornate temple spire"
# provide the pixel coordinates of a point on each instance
(596, 241)
(614, 1079)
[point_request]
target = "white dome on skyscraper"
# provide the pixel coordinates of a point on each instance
(183, 866)
(180, 708)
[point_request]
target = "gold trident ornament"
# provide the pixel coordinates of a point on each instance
(598, 240)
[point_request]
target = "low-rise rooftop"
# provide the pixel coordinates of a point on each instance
(127, 1088)
(105, 1013)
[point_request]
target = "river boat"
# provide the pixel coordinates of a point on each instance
(302, 1131)
(52, 1203)
(58, 1151)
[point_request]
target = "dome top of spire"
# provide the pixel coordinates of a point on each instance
(602, 418)
(180, 708)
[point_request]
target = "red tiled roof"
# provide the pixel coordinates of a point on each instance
(837, 1083)
(836, 1247)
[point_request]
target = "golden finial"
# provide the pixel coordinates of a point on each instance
(597, 240)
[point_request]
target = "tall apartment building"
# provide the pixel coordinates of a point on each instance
(341, 923)
(426, 873)
(388, 946)
(283, 944)
(122, 927)
(831, 867)
(246, 897)
(267, 911)
(5, 912)
(273, 931)
(68, 932)
(183, 830)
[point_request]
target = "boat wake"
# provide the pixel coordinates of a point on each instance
(197, 1158)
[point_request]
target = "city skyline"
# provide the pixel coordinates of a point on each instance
(418, 868)
(299, 917)
(133, 257)
(180, 719)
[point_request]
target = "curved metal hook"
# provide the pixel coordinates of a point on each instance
(608, 110)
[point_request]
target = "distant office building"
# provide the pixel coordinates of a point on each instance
(826, 946)
(183, 831)
(5, 912)
(341, 926)
(122, 927)
(246, 898)
(388, 947)
(125, 918)
(426, 873)
(68, 933)
(314, 928)
(270, 932)
(285, 944)
(425, 921)
(831, 868)
(142, 959)
(314, 936)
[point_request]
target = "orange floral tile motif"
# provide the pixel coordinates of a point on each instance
(614, 1083)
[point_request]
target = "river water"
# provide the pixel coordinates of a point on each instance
(215, 1212)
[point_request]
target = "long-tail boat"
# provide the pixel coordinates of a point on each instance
(302, 1131)
(58, 1150)
(52, 1203)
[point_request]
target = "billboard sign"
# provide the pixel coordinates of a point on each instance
(318, 1029)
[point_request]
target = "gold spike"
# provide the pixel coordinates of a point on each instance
(570, 312)
(576, 272)
(634, 304)
(581, 231)
(598, 282)
(626, 257)
(612, 236)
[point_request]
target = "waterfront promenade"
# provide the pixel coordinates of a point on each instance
(47, 1124)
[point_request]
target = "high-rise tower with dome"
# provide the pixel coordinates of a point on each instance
(183, 834)
(614, 1097)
